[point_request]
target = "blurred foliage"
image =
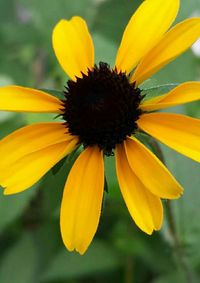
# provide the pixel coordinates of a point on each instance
(31, 249)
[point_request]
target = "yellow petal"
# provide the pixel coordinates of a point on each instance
(184, 93)
(23, 99)
(144, 30)
(150, 170)
(144, 207)
(179, 132)
(29, 169)
(82, 200)
(73, 47)
(30, 139)
(174, 42)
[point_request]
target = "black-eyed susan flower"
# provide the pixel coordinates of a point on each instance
(103, 109)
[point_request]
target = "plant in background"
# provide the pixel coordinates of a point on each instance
(103, 109)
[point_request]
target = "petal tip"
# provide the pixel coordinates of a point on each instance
(149, 231)
(179, 192)
(71, 247)
(80, 251)
(156, 229)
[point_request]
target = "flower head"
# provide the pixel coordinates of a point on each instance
(102, 109)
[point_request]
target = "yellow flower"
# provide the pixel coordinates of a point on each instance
(102, 109)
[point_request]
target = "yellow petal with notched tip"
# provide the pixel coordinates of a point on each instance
(73, 47)
(82, 200)
(173, 43)
(184, 93)
(144, 30)
(177, 131)
(26, 171)
(144, 207)
(23, 99)
(150, 170)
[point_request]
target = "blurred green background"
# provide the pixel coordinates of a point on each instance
(31, 249)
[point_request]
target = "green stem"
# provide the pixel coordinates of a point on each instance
(129, 270)
(180, 253)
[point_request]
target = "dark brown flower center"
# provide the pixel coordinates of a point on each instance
(102, 108)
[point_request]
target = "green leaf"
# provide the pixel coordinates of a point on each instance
(67, 161)
(47, 246)
(58, 166)
(12, 206)
(20, 262)
(111, 178)
(157, 90)
(99, 258)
